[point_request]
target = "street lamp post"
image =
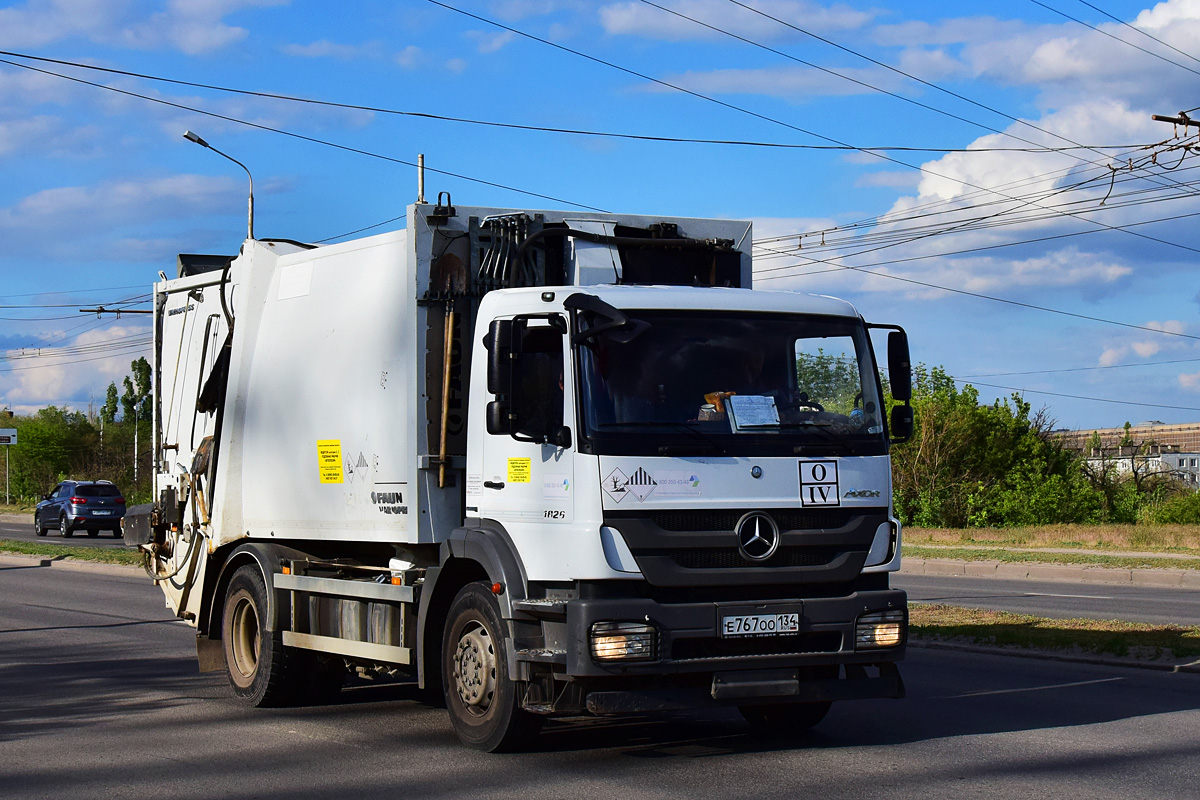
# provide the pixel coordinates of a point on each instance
(191, 137)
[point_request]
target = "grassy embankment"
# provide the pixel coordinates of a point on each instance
(1034, 544)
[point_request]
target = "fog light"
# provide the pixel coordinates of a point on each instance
(879, 629)
(624, 641)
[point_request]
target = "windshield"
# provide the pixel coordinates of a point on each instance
(733, 383)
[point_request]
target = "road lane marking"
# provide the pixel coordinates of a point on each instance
(1077, 596)
(1033, 688)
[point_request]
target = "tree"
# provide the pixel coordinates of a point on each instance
(984, 465)
(135, 391)
(108, 412)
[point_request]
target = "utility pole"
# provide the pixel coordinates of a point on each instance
(1183, 119)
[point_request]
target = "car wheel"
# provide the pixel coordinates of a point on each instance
(116, 532)
(37, 526)
(94, 532)
(484, 703)
(64, 527)
(261, 670)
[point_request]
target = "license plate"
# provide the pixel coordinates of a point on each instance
(759, 625)
(99, 513)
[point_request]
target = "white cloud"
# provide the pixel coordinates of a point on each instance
(65, 374)
(794, 83)
(323, 48)
(489, 42)
(95, 222)
(191, 26)
(1190, 380)
(639, 19)
(456, 65)
(409, 57)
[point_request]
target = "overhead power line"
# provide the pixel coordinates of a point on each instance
(551, 129)
(302, 137)
(1078, 397)
(1136, 29)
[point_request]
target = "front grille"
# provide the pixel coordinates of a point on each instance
(789, 519)
(732, 559)
(695, 649)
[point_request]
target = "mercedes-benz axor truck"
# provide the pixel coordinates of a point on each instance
(541, 463)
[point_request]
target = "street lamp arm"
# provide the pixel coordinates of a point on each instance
(192, 137)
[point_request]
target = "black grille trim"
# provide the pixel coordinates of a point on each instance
(732, 559)
(725, 519)
(699, 649)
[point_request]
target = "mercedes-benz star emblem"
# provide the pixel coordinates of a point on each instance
(757, 535)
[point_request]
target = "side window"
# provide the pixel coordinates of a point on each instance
(538, 390)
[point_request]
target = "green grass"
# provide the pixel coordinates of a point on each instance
(939, 622)
(101, 555)
(1085, 559)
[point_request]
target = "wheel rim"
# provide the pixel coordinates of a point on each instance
(62, 526)
(475, 669)
(244, 638)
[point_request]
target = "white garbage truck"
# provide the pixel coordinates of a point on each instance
(541, 463)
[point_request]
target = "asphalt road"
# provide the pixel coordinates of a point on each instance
(99, 697)
(1127, 602)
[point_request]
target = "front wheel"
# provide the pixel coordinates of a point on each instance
(37, 526)
(484, 703)
(255, 659)
(786, 719)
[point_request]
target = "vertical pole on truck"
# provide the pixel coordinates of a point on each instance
(447, 352)
(420, 177)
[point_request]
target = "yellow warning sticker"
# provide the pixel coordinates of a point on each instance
(329, 460)
(519, 470)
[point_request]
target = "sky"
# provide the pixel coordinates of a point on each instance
(986, 174)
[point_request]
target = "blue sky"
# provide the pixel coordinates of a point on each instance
(958, 239)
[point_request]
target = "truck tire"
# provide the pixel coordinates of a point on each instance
(484, 703)
(785, 719)
(261, 671)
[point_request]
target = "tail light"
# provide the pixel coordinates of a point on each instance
(120, 501)
(79, 501)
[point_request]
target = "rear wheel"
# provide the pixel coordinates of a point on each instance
(64, 527)
(37, 526)
(484, 703)
(787, 719)
(116, 532)
(261, 671)
(93, 532)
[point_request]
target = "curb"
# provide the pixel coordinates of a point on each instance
(1164, 578)
(1189, 667)
(62, 562)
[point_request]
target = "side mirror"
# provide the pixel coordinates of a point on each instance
(499, 343)
(899, 366)
(902, 423)
(498, 420)
(561, 437)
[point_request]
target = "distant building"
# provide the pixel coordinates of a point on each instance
(1157, 448)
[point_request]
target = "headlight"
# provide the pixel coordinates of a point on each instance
(624, 641)
(879, 629)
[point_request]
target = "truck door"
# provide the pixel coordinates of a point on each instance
(527, 458)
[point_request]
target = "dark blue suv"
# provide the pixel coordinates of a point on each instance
(91, 506)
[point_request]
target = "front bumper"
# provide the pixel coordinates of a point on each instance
(689, 639)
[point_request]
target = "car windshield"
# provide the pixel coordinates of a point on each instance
(733, 384)
(97, 490)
